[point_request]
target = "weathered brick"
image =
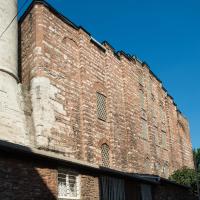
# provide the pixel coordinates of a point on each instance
(75, 68)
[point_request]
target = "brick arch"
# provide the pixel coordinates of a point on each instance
(69, 39)
(105, 156)
(103, 141)
(147, 164)
(147, 159)
(99, 87)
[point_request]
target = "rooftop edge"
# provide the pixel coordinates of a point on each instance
(95, 42)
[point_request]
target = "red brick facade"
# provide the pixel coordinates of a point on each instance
(144, 130)
(29, 177)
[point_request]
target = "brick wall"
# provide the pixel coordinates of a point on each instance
(25, 179)
(89, 188)
(32, 178)
(64, 69)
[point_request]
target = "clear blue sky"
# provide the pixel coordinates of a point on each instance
(164, 33)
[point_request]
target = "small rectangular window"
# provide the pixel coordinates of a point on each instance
(101, 107)
(68, 184)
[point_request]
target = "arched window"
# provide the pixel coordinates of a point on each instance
(147, 165)
(101, 106)
(157, 168)
(105, 155)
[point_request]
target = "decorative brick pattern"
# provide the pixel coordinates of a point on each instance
(61, 59)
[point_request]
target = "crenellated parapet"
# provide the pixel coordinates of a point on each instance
(82, 99)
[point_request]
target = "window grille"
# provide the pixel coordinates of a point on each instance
(147, 164)
(101, 107)
(105, 155)
(144, 129)
(68, 184)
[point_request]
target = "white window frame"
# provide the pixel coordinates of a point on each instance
(67, 173)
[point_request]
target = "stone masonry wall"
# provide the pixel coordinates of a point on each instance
(63, 68)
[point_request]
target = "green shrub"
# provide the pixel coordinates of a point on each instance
(186, 176)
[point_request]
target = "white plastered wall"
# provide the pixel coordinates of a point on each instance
(13, 126)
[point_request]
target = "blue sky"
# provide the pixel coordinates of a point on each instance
(164, 33)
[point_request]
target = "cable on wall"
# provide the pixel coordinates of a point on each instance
(13, 18)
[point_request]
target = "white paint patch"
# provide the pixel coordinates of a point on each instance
(43, 96)
(9, 40)
(12, 117)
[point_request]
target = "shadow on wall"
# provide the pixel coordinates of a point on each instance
(25, 178)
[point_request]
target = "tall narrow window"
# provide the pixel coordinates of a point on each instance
(141, 78)
(147, 165)
(105, 155)
(155, 135)
(150, 86)
(144, 129)
(142, 99)
(163, 139)
(68, 184)
(166, 170)
(101, 107)
(162, 114)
